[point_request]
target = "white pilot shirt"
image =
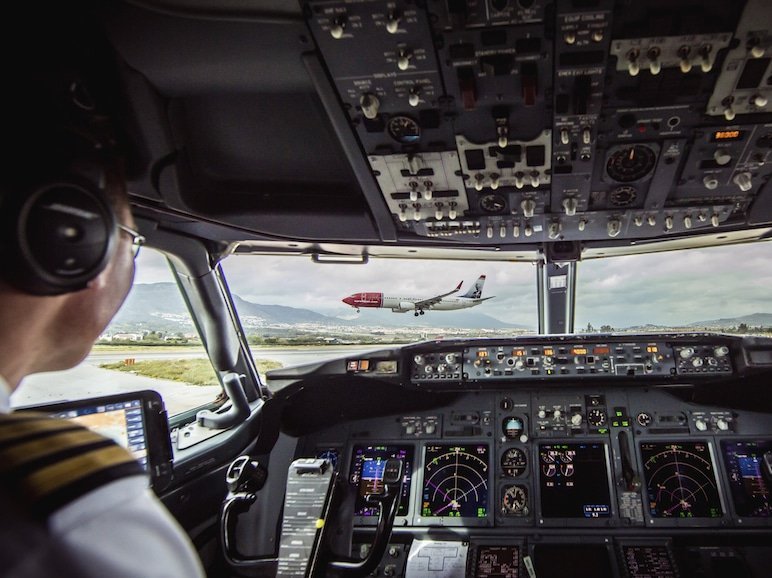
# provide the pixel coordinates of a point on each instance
(122, 530)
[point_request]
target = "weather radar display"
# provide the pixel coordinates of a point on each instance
(680, 480)
(455, 481)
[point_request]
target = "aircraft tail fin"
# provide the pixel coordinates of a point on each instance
(475, 291)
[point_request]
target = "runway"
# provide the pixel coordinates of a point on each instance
(89, 380)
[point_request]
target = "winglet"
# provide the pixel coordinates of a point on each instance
(458, 287)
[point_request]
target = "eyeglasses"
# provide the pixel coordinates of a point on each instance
(137, 240)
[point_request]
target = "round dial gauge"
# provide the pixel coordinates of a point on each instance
(404, 129)
(513, 462)
(513, 427)
(493, 203)
(622, 196)
(630, 163)
(514, 500)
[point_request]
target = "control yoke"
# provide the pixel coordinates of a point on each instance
(244, 478)
(310, 484)
(388, 503)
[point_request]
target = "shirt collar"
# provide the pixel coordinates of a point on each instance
(5, 396)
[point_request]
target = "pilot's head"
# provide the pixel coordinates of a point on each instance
(67, 263)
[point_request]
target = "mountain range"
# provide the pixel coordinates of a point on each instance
(160, 307)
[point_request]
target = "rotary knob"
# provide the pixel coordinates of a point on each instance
(403, 59)
(700, 424)
(721, 351)
(576, 419)
(710, 182)
(722, 157)
(743, 180)
(570, 205)
(698, 362)
(687, 352)
(722, 424)
(528, 206)
(338, 27)
(392, 22)
(450, 358)
(370, 105)
(542, 414)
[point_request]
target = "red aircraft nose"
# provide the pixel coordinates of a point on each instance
(349, 300)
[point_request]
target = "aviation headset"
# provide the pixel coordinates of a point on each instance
(59, 231)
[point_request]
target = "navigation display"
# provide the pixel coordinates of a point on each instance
(574, 481)
(122, 422)
(366, 473)
(744, 468)
(680, 480)
(455, 481)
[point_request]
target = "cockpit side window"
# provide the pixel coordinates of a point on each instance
(151, 343)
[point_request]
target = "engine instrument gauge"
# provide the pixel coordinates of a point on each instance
(514, 500)
(513, 462)
(493, 203)
(630, 163)
(404, 129)
(680, 480)
(455, 481)
(574, 481)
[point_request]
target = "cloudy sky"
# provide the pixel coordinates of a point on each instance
(666, 288)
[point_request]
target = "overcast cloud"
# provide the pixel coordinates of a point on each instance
(666, 288)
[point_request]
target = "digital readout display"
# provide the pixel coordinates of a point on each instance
(727, 135)
(366, 473)
(574, 481)
(745, 469)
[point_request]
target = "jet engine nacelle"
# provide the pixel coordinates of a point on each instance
(406, 305)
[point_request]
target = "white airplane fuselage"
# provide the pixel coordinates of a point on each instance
(402, 304)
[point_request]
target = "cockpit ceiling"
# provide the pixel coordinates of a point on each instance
(436, 125)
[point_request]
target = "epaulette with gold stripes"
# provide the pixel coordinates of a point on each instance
(49, 462)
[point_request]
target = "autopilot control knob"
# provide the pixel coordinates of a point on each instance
(722, 157)
(450, 358)
(687, 352)
(576, 419)
(557, 414)
(710, 182)
(743, 180)
(520, 365)
(721, 351)
(541, 414)
(700, 424)
(698, 362)
(759, 100)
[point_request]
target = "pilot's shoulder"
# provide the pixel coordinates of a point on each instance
(48, 463)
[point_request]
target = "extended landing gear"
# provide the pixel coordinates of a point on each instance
(419, 312)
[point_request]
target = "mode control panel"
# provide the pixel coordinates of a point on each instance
(568, 360)
(436, 366)
(711, 358)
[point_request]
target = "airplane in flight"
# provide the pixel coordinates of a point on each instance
(419, 305)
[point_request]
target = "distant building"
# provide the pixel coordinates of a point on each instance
(127, 337)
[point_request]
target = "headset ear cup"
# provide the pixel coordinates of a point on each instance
(64, 236)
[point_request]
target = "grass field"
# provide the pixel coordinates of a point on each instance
(191, 371)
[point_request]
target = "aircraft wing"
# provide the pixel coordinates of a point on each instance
(431, 301)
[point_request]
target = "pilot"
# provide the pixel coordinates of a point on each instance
(73, 503)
